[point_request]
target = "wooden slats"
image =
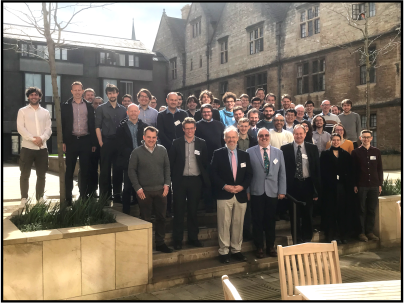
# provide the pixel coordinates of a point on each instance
(289, 276)
(294, 272)
(307, 266)
(326, 270)
(307, 248)
(319, 268)
(301, 270)
(332, 268)
(313, 267)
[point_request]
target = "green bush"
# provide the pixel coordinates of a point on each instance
(44, 215)
(390, 188)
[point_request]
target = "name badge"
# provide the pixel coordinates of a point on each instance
(372, 157)
(275, 161)
(304, 156)
(337, 177)
(243, 165)
(196, 152)
(177, 122)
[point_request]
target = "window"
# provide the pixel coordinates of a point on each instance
(49, 88)
(372, 72)
(173, 65)
(133, 60)
(104, 84)
(126, 87)
(254, 82)
(314, 70)
(372, 126)
(303, 78)
(223, 88)
(223, 52)
(256, 40)
(359, 10)
(318, 75)
(110, 58)
(24, 50)
(60, 54)
(121, 60)
(191, 64)
(309, 22)
(196, 29)
(41, 51)
(200, 60)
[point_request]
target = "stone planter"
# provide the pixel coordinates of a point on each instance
(97, 262)
(387, 223)
(54, 165)
(391, 162)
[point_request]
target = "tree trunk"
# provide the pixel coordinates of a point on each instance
(52, 66)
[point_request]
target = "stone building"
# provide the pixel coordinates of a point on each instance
(304, 49)
(92, 59)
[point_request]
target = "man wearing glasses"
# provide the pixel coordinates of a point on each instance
(226, 114)
(309, 107)
(147, 113)
(368, 180)
(330, 119)
(280, 136)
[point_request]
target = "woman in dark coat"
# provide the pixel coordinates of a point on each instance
(337, 183)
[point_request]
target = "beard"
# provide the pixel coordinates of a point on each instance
(34, 102)
(268, 117)
(112, 100)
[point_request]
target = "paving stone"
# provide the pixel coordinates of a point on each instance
(164, 295)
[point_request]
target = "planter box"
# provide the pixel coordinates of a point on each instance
(391, 162)
(97, 262)
(387, 223)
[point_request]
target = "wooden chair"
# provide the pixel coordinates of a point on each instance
(230, 292)
(317, 263)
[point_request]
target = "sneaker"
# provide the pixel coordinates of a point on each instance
(23, 202)
(164, 248)
(363, 238)
(372, 236)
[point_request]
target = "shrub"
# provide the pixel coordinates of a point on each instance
(391, 188)
(44, 215)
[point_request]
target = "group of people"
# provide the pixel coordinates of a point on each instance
(242, 160)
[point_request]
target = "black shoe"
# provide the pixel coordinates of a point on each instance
(239, 256)
(164, 248)
(177, 246)
(224, 258)
(195, 243)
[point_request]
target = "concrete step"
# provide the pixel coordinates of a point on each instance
(188, 272)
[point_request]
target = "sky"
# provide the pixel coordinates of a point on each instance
(113, 20)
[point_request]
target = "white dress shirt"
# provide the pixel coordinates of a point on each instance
(34, 123)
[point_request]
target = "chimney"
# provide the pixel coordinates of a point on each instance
(185, 11)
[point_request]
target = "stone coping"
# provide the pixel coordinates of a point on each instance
(392, 198)
(12, 235)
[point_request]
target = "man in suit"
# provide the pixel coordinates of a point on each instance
(267, 186)
(188, 165)
(302, 164)
(231, 175)
(170, 128)
(79, 139)
(253, 116)
(129, 135)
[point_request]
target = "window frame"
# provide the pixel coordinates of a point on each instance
(252, 83)
(224, 51)
(196, 27)
(307, 77)
(256, 39)
(362, 67)
(223, 87)
(114, 58)
(26, 51)
(309, 21)
(359, 8)
(173, 68)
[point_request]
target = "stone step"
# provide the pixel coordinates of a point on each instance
(189, 272)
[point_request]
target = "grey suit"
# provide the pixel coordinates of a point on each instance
(264, 189)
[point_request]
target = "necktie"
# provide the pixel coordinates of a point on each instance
(299, 164)
(233, 165)
(266, 161)
(255, 131)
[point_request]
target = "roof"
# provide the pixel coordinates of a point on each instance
(277, 11)
(27, 33)
(177, 27)
(213, 9)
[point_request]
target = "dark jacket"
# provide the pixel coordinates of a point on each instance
(177, 160)
(294, 123)
(221, 174)
(252, 141)
(67, 121)
(124, 141)
(215, 115)
(330, 167)
(314, 165)
(168, 131)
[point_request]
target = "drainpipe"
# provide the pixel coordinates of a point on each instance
(278, 57)
(207, 64)
(184, 69)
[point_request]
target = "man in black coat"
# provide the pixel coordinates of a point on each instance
(302, 165)
(79, 139)
(188, 165)
(170, 128)
(129, 135)
(231, 174)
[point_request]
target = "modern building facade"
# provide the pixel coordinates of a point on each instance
(91, 59)
(307, 50)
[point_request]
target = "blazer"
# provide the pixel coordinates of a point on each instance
(314, 165)
(221, 174)
(177, 160)
(67, 121)
(252, 141)
(274, 182)
(124, 141)
(168, 131)
(215, 115)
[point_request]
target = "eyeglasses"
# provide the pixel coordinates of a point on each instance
(366, 137)
(339, 130)
(326, 104)
(262, 136)
(206, 112)
(277, 120)
(229, 102)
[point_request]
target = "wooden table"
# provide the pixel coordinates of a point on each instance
(378, 290)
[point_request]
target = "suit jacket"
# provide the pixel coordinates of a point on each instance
(274, 182)
(215, 115)
(294, 123)
(177, 160)
(125, 143)
(67, 121)
(252, 133)
(314, 165)
(221, 174)
(280, 111)
(252, 141)
(168, 131)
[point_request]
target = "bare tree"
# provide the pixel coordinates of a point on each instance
(48, 25)
(358, 19)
